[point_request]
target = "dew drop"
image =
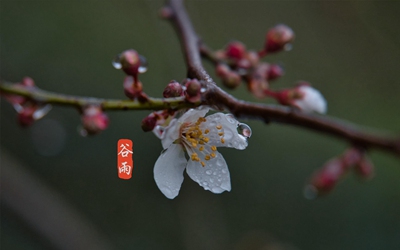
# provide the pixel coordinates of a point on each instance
(224, 171)
(220, 162)
(143, 64)
(205, 183)
(202, 90)
(215, 172)
(116, 63)
(244, 130)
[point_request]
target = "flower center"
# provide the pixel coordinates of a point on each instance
(197, 143)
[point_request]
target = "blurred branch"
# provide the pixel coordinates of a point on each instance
(214, 96)
(43, 96)
(44, 211)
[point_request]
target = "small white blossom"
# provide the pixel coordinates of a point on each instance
(311, 100)
(199, 137)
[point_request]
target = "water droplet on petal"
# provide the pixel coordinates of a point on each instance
(116, 63)
(209, 172)
(205, 183)
(244, 129)
(220, 162)
(224, 171)
(202, 90)
(143, 64)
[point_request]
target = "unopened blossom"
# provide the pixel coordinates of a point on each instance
(199, 137)
(311, 100)
(303, 97)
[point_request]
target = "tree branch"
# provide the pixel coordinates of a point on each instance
(216, 97)
(39, 95)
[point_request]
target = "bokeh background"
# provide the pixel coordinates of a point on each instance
(61, 191)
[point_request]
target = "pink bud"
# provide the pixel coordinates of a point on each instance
(193, 90)
(365, 168)
(235, 50)
(258, 87)
(351, 157)
(149, 122)
(28, 82)
(278, 37)
(130, 62)
(274, 71)
(325, 179)
(94, 120)
(173, 89)
(25, 117)
(134, 90)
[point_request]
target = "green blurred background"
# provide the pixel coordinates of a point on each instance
(349, 50)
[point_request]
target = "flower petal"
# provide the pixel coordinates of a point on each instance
(232, 139)
(171, 133)
(313, 101)
(214, 176)
(168, 170)
(193, 114)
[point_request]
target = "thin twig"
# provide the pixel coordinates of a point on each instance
(43, 96)
(216, 97)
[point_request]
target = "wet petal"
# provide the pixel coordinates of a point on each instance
(193, 114)
(171, 133)
(214, 176)
(168, 170)
(228, 126)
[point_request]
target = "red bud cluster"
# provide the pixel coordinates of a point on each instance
(326, 178)
(28, 110)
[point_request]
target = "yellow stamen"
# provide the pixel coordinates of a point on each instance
(219, 127)
(222, 140)
(193, 156)
(221, 133)
(207, 157)
(194, 144)
(206, 131)
(213, 155)
(202, 164)
(206, 139)
(201, 148)
(213, 148)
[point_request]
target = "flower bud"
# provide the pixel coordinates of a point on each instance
(278, 38)
(352, 157)
(235, 50)
(94, 120)
(134, 90)
(274, 71)
(25, 117)
(130, 62)
(149, 122)
(365, 168)
(193, 90)
(258, 87)
(325, 179)
(173, 89)
(28, 82)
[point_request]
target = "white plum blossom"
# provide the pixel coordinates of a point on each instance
(311, 100)
(199, 137)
